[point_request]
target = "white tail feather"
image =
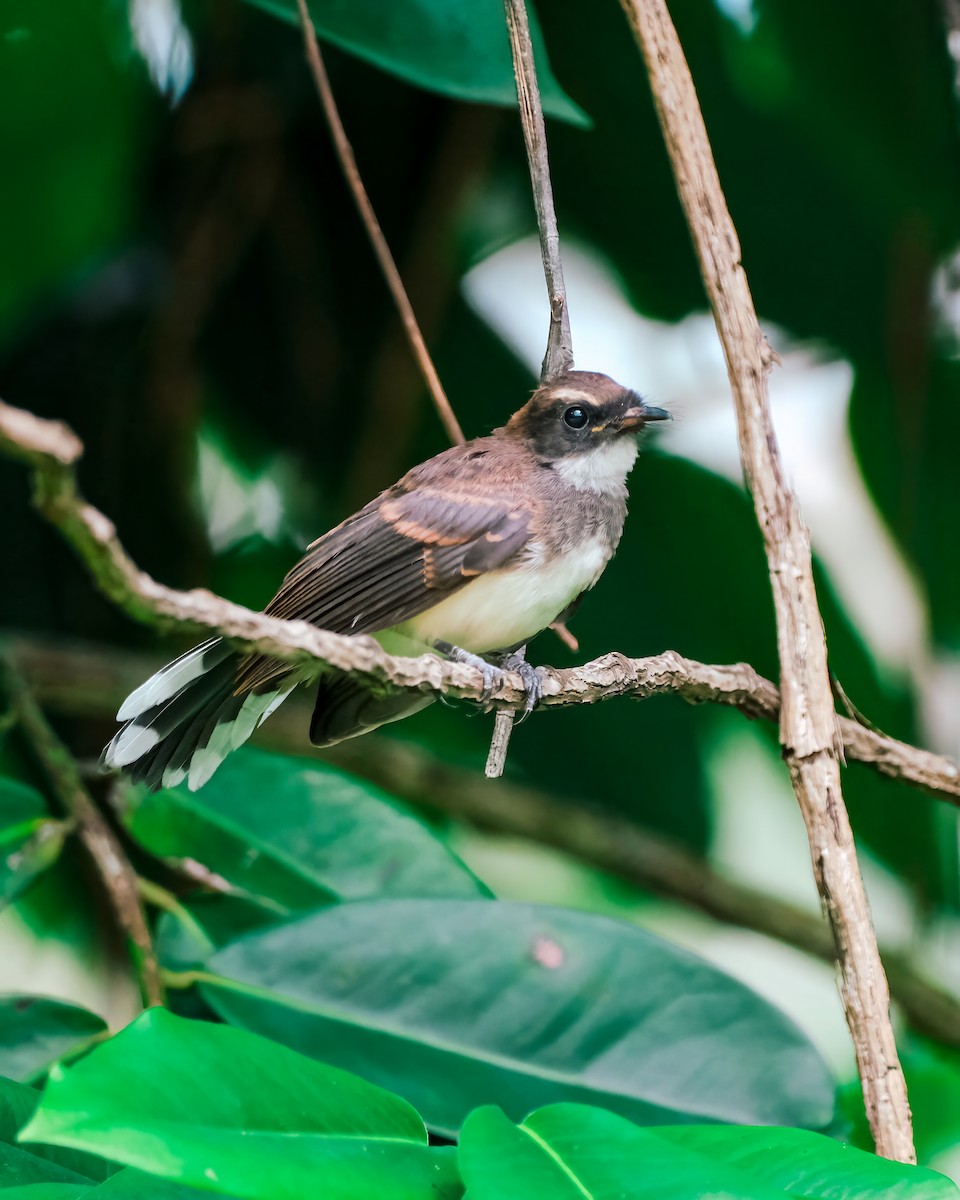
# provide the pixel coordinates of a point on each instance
(173, 678)
(131, 743)
(184, 721)
(228, 736)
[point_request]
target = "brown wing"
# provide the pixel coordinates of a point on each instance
(396, 558)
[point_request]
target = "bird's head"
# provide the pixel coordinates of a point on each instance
(578, 413)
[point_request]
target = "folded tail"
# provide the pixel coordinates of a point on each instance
(183, 722)
(346, 709)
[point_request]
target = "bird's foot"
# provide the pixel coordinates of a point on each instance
(532, 677)
(493, 674)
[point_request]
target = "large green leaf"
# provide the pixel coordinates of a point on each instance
(574, 1151)
(30, 839)
(297, 834)
(221, 1109)
(461, 1003)
(446, 46)
(799, 1163)
(34, 1031)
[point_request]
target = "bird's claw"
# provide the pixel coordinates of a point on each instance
(493, 675)
(532, 677)
(492, 683)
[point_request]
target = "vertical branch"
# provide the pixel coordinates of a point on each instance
(100, 842)
(559, 354)
(379, 243)
(808, 723)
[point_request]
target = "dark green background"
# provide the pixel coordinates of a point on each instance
(171, 270)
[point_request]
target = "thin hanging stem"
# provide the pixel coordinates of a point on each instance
(379, 243)
(559, 355)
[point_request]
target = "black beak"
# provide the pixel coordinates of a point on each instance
(636, 418)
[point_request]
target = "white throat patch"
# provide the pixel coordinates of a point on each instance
(603, 469)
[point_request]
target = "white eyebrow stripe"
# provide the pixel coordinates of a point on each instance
(565, 393)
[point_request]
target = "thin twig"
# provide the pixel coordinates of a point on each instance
(160, 897)
(808, 723)
(379, 243)
(115, 872)
(559, 354)
(91, 682)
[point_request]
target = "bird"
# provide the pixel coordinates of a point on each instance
(471, 554)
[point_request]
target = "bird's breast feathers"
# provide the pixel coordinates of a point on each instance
(507, 607)
(603, 469)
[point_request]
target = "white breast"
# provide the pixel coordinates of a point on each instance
(506, 608)
(603, 469)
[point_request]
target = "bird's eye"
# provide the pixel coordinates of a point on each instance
(575, 417)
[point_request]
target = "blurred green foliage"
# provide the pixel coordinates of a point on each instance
(189, 287)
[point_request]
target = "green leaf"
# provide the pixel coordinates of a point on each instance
(218, 1108)
(26, 1169)
(297, 834)
(456, 1004)
(29, 1166)
(35, 1031)
(30, 839)
(460, 50)
(574, 1151)
(125, 1185)
(129, 1184)
(797, 1162)
(46, 1191)
(20, 803)
(186, 937)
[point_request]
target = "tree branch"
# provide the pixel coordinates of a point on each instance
(808, 723)
(379, 243)
(115, 872)
(92, 681)
(559, 354)
(51, 449)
